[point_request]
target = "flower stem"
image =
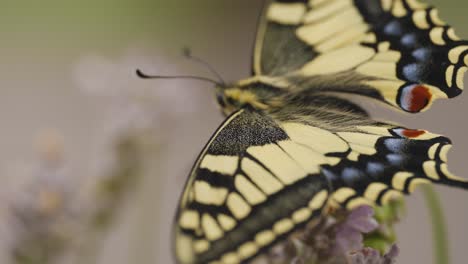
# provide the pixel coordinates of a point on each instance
(439, 231)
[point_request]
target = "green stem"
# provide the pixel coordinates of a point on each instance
(439, 231)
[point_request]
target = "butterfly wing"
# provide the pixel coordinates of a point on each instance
(396, 51)
(264, 175)
(234, 203)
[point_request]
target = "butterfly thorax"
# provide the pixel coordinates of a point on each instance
(257, 93)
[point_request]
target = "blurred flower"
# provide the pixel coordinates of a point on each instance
(387, 216)
(336, 238)
(349, 233)
(41, 214)
(372, 256)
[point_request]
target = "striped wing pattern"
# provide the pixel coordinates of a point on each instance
(260, 178)
(396, 51)
(265, 174)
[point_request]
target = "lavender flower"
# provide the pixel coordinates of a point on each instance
(42, 215)
(337, 238)
(373, 256)
(349, 234)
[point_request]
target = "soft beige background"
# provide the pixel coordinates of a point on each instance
(41, 44)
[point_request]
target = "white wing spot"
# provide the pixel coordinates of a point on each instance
(211, 227)
(206, 194)
(283, 226)
(400, 178)
(436, 35)
(288, 14)
(419, 19)
(318, 200)
(430, 170)
(374, 190)
(261, 177)
(189, 219)
(226, 222)
(317, 139)
(248, 249)
(250, 192)
(449, 75)
(339, 60)
(460, 76)
(238, 207)
(278, 162)
(444, 152)
(342, 194)
(265, 237)
(222, 164)
(301, 215)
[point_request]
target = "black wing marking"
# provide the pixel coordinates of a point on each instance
(397, 51)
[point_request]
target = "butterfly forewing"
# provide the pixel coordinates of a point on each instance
(397, 51)
(246, 192)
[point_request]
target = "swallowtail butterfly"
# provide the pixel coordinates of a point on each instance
(292, 143)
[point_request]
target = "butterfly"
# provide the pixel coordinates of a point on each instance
(293, 144)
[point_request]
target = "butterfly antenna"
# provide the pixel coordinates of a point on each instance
(146, 76)
(188, 54)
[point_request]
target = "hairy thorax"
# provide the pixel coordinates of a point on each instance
(260, 93)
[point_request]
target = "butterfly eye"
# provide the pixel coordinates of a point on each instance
(220, 100)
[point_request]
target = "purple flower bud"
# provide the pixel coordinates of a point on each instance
(349, 233)
(362, 219)
(372, 256)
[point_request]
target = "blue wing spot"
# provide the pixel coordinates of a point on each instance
(350, 175)
(329, 175)
(422, 54)
(375, 169)
(393, 29)
(413, 72)
(395, 159)
(410, 40)
(395, 145)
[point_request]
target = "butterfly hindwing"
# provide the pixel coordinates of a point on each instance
(397, 51)
(263, 175)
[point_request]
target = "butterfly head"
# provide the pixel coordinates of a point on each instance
(234, 97)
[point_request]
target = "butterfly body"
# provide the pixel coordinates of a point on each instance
(259, 93)
(271, 95)
(293, 144)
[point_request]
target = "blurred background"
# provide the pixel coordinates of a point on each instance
(93, 159)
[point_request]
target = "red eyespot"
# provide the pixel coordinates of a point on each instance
(409, 133)
(421, 97)
(415, 97)
(412, 133)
